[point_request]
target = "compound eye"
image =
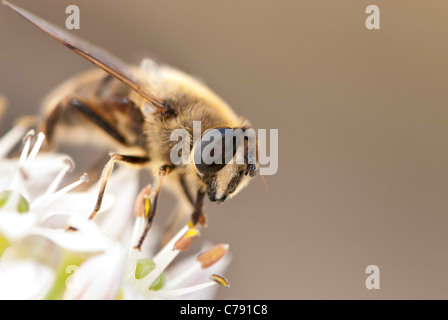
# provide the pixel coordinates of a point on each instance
(215, 149)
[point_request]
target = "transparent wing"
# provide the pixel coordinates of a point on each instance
(94, 54)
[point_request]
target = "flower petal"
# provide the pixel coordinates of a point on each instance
(86, 238)
(123, 185)
(98, 278)
(77, 203)
(14, 226)
(25, 279)
(28, 268)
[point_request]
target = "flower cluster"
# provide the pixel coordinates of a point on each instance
(41, 258)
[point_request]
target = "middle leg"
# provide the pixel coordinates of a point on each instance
(133, 160)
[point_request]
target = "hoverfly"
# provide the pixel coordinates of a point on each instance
(136, 110)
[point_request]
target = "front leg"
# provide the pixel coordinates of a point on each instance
(133, 160)
(154, 197)
(198, 216)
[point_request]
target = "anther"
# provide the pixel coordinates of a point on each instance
(187, 239)
(213, 255)
(143, 204)
(220, 280)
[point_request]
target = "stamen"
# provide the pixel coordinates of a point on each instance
(68, 167)
(169, 246)
(136, 231)
(213, 255)
(15, 196)
(162, 260)
(29, 135)
(35, 150)
(220, 280)
(204, 260)
(142, 204)
(184, 243)
(146, 206)
(133, 255)
(26, 147)
(183, 276)
(83, 179)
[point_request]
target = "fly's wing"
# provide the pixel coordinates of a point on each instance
(94, 54)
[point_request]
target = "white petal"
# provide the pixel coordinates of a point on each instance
(87, 238)
(77, 203)
(56, 221)
(14, 226)
(27, 268)
(98, 278)
(130, 293)
(25, 279)
(123, 185)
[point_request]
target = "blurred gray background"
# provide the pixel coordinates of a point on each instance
(362, 118)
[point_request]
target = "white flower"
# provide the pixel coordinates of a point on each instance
(40, 259)
(31, 208)
(101, 277)
(21, 210)
(98, 277)
(27, 269)
(178, 282)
